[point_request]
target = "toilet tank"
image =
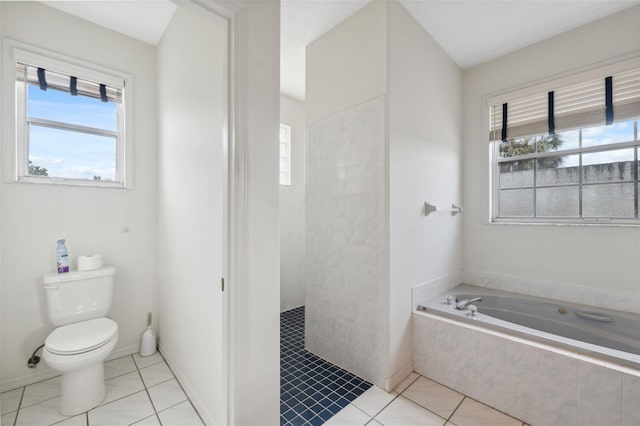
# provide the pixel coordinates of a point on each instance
(79, 295)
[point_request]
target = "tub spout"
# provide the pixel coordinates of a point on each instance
(462, 305)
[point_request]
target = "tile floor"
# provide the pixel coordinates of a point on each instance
(140, 390)
(419, 401)
(312, 390)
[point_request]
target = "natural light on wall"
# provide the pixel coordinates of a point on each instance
(285, 154)
(567, 150)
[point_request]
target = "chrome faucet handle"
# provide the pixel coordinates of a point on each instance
(472, 310)
(451, 300)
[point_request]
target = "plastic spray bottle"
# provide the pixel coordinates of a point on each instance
(62, 256)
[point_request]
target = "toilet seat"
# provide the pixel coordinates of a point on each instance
(81, 337)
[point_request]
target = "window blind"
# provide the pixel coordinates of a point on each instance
(65, 83)
(574, 102)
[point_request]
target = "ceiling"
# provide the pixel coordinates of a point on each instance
(470, 31)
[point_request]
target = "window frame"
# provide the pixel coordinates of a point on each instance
(287, 157)
(620, 64)
(496, 160)
(18, 170)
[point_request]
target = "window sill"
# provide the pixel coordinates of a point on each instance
(611, 224)
(70, 182)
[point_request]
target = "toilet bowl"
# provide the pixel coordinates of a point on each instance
(78, 303)
(78, 351)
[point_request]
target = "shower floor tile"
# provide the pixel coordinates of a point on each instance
(312, 390)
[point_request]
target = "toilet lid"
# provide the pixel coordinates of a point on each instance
(81, 336)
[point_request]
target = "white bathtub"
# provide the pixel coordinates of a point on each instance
(534, 372)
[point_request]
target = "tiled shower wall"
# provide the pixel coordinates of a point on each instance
(346, 238)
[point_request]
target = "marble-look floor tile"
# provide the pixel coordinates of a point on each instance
(155, 374)
(406, 382)
(182, 414)
(473, 413)
(8, 419)
(41, 391)
(10, 400)
(118, 367)
(349, 416)
(121, 386)
(149, 421)
(373, 400)
(402, 412)
(145, 361)
(80, 420)
(122, 411)
(437, 398)
(166, 394)
(44, 412)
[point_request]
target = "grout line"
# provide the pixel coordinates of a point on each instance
(87, 417)
(457, 406)
(147, 392)
(15, 420)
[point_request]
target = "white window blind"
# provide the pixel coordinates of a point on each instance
(58, 81)
(578, 101)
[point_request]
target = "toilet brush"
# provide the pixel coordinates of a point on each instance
(148, 341)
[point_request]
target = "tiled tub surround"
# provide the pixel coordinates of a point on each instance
(140, 390)
(616, 339)
(537, 383)
(345, 239)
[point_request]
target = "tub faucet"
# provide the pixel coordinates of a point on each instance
(462, 305)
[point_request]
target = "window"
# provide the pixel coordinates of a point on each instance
(69, 123)
(568, 151)
(285, 154)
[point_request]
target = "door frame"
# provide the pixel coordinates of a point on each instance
(251, 272)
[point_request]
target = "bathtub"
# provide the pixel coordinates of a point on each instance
(604, 333)
(542, 361)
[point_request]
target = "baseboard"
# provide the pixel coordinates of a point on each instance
(195, 400)
(392, 382)
(45, 372)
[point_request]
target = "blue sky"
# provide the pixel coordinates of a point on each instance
(72, 154)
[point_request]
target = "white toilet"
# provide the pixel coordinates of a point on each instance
(77, 304)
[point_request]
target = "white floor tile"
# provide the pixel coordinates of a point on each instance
(373, 400)
(155, 374)
(437, 398)
(10, 400)
(149, 421)
(123, 411)
(402, 412)
(118, 367)
(41, 391)
(166, 394)
(42, 413)
(182, 414)
(145, 361)
(122, 386)
(349, 416)
(80, 420)
(406, 382)
(8, 419)
(473, 413)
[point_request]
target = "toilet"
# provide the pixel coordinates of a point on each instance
(77, 304)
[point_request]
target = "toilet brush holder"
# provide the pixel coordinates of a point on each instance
(148, 340)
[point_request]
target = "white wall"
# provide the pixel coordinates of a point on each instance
(596, 265)
(347, 65)
(93, 220)
(190, 205)
(292, 246)
(425, 136)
